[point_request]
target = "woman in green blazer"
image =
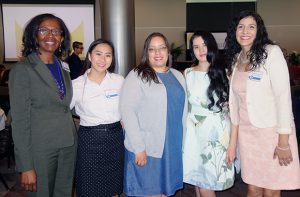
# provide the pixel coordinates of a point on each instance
(40, 94)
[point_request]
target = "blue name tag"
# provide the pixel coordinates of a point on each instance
(255, 76)
(111, 93)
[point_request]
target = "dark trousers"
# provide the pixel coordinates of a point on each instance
(55, 172)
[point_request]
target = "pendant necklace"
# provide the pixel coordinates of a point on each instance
(59, 81)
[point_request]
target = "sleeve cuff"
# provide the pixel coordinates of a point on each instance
(284, 130)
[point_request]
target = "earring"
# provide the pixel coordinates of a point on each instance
(59, 48)
(37, 49)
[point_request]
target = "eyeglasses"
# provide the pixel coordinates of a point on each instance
(79, 47)
(45, 31)
(159, 49)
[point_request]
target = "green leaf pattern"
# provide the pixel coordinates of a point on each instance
(208, 139)
(220, 167)
(200, 119)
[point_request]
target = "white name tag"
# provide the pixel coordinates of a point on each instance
(65, 66)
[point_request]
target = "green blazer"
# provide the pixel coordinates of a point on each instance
(40, 119)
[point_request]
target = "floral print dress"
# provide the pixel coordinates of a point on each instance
(207, 138)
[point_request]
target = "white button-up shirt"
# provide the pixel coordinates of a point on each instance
(97, 103)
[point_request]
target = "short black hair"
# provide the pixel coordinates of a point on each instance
(76, 44)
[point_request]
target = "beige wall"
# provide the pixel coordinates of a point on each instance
(165, 16)
(282, 18)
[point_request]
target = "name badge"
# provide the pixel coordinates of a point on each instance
(65, 66)
(111, 93)
(255, 76)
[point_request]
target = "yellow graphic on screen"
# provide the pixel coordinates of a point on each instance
(19, 34)
(78, 35)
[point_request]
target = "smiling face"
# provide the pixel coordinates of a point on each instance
(158, 52)
(246, 32)
(200, 49)
(49, 41)
(101, 58)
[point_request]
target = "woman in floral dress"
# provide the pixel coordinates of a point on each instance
(208, 124)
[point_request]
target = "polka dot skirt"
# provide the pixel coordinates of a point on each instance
(100, 160)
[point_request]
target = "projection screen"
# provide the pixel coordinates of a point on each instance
(78, 18)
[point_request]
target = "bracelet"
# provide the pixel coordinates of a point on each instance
(283, 148)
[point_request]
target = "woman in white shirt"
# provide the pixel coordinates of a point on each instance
(100, 155)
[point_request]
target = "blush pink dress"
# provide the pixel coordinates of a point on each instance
(257, 148)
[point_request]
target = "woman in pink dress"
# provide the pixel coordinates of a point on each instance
(260, 109)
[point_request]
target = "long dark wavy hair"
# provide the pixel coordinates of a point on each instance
(87, 62)
(216, 71)
(144, 69)
(257, 53)
(30, 43)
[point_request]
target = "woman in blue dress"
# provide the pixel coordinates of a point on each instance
(153, 107)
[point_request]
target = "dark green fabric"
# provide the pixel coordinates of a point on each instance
(40, 119)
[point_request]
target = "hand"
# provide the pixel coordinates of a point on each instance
(284, 155)
(230, 154)
(28, 180)
(141, 158)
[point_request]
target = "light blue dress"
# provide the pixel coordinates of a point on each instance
(207, 138)
(161, 175)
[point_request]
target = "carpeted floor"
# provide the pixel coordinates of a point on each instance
(12, 180)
